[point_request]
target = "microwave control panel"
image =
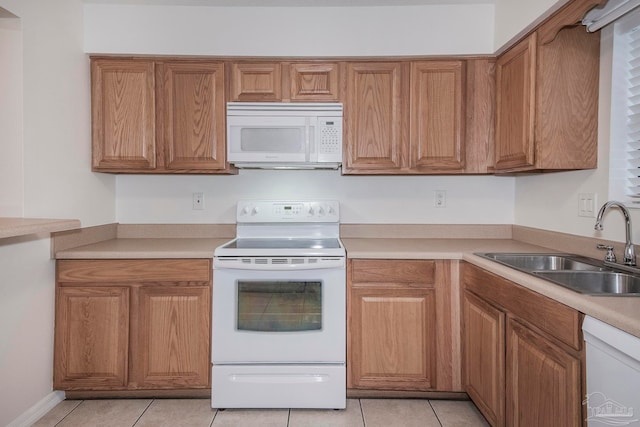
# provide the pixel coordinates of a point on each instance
(330, 147)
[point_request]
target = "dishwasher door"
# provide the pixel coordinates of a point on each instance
(613, 375)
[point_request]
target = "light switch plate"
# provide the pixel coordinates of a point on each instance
(587, 204)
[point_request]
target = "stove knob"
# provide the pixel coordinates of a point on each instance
(311, 211)
(320, 211)
(245, 211)
(254, 211)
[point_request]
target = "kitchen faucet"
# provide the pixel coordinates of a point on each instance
(629, 253)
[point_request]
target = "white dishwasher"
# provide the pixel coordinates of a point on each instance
(613, 375)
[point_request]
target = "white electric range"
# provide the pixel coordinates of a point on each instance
(279, 308)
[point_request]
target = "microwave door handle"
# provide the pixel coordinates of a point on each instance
(306, 139)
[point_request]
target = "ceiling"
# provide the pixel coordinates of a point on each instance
(289, 3)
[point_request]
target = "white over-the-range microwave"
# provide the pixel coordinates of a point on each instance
(271, 135)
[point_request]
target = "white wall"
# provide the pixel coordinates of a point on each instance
(58, 182)
(513, 17)
(294, 31)
(376, 199)
(11, 145)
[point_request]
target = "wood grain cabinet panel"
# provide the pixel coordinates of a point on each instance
(437, 114)
(92, 336)
(401, 325)
(543, 381)
(123, 114)
(483, 340)
(256, 81)
(158, 116)
(374, 117)
(314, 81)
(395, 342)
(194, 115)
(521, 363)
(133, 325)
(547, 98)
(515, 98)
(174, 336)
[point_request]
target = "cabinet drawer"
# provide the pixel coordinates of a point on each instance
(138, 270)
(558, 320)
(395, 271)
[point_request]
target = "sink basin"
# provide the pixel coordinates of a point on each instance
(533, 262)
(595, 282)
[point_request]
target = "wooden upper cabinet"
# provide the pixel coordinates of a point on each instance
(259, 81)
(194, 115)
(437, 114)
(547, 98)
(158, 116)
(314, 81)
(515, 98)
(374, 118)
(123, 114)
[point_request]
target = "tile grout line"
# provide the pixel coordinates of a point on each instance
(434, 412)
(143, 412)
(364, 422)
(69, 413)
(288, 417)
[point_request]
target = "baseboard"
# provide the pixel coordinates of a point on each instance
(38, 410)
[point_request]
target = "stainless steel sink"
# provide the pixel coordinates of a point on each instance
(595, 282)
(532, 262)
(581, 274)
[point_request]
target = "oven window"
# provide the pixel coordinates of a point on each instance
(279, 306)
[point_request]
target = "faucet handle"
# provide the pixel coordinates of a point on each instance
(610, 256)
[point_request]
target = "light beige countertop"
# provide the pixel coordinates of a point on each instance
(145, 248)
(13, 227)
(621, 312)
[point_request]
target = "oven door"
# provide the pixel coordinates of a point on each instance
(281, 316)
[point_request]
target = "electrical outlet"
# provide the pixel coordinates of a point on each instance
(440, 199)
(587, 204)
(198, 201)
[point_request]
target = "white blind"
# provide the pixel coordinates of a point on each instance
(632, 131)
(624, 171)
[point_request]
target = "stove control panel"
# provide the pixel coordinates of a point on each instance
(288, 211)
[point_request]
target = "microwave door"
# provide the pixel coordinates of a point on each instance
(267, 139)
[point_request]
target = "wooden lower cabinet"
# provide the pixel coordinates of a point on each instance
(483, 341)
(544, 381)
(132, 325)
(523, 355)
(400, 326)
(92, 337)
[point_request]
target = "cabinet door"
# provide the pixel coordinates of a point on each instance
(173, 336)
(543, 381)
(91, 338)
(374, 118)
(123, 114)
(194, 115)
(483, 357)
(392, 338)
(260, 81)
(314, 81)
(515, 101)
(437, 115)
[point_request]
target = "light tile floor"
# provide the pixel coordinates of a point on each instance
(197, 412)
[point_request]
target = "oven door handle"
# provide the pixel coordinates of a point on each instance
(239, 264)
